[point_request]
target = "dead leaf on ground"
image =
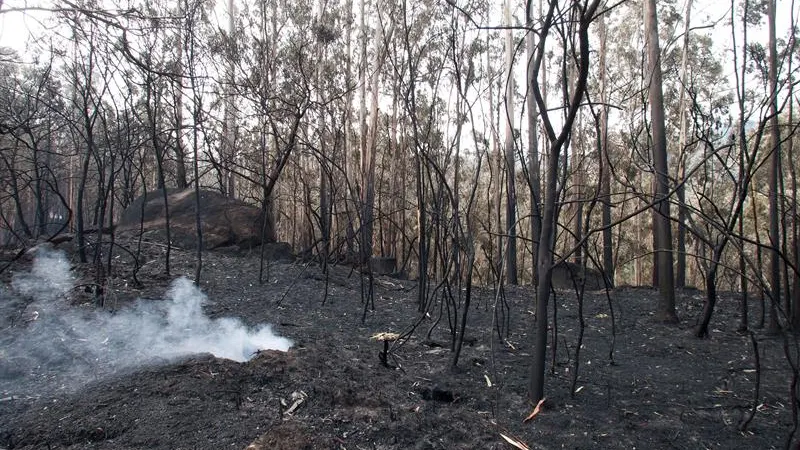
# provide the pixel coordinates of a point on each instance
(536, 411)
(515, 442)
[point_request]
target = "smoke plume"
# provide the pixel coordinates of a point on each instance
(52, 342)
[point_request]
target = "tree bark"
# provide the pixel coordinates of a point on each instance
(180, 151)
(578, 176)
(534, 174)
(197, 117)
(680, 276)
(605, 163)
(662, 227)
(368, 154)
(229, 119)
(511, 191)
(364, 161)
(742, 146)
(794, 253)
(544, 265)
(773, 326)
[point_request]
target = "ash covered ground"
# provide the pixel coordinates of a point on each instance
(140, 374)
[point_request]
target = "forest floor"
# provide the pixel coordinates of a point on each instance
(650, 386)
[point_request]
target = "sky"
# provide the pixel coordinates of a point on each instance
(17, 27)
(14, 25)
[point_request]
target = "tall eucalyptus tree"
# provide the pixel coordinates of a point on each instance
(510, 152)
(534, 168)
(773, 325)
(662, 226)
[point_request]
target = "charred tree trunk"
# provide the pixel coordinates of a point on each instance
(773, 326)
(79, 208)
(177, 86)
(511, 190)
(152, 108)
(605, 163)
(584, 14)
(711, 299)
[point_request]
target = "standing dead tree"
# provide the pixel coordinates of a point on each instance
(580, 16)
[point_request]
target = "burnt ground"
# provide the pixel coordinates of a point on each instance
(663, 389)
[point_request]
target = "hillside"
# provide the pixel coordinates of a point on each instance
(662, 389)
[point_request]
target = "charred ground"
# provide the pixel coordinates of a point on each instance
(662, 388)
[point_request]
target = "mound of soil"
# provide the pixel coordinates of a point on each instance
(225, 221)
(639, 384)
(570, 276)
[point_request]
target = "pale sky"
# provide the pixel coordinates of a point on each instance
(14, 26)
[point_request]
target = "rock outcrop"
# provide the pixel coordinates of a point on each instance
(225, 222)
(567, 275)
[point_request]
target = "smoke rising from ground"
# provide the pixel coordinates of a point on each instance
(73, 345)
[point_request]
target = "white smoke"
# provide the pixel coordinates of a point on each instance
(180, 327)
(83, 343)
(49, 278)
